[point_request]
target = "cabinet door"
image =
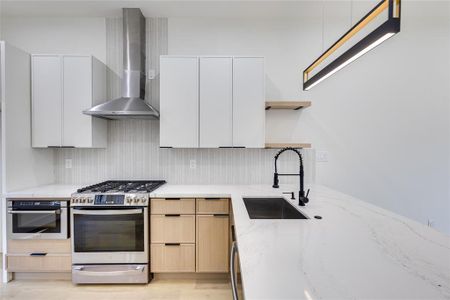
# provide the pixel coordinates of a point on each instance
(212, 243)
(248, 102)
(179, 102)
(77, 96)
(216, 104)
(46, 101)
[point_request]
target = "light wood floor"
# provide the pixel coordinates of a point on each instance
(157, 289)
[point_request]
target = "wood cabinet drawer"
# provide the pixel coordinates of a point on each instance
(42, 246)
(172, 228)
(172, 206)
(48, 263)
(172, 258)
(212, 206)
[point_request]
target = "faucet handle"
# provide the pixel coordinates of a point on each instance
(306, 199)
(290, 193)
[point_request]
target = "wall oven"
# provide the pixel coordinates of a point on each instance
(43, 219)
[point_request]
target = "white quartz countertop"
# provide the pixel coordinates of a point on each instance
(45, 191)
(357, 251)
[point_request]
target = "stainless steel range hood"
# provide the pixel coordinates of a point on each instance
(132, 104)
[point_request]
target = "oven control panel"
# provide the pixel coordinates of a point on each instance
(110, 200)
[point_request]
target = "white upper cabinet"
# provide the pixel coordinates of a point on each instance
(248, 102)
(47, 104)
(179, 102)
(64, 86)
(216, 102)
(212, 102)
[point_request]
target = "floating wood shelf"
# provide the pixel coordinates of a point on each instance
(294, 105)
(284, 145)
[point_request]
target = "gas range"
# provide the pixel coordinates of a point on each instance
(110, 232)
(116, 193)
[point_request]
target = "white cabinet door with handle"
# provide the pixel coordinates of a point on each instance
(248, 102)
(216, 102)
(179, 102)
(46, 107)
(77, 95)
(62, 87)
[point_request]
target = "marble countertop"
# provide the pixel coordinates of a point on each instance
(357, 251)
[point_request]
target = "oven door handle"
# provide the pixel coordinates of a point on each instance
(18, 212)
(105, 212)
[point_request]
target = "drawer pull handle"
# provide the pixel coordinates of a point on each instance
(38, 254)
(213, 199)
(220, 215)
(172, 244)
(172, 215)
(173, 198)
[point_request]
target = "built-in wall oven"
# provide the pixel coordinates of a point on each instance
(110, 239)
(37, 219)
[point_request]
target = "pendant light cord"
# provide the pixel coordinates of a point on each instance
(323, 26)
(351, 13)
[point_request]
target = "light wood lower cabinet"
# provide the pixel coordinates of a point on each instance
(212, 247)
(172, 258)
(22, 256)
(43, 246)
(212, 206)
(172, 206)
(172, 229)
(190, 235)
(47, 263)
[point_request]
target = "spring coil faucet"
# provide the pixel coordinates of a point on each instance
(302, 199)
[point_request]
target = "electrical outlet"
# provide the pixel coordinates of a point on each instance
(151, 74)
(68, 163)
(193, 164)
(322, 156)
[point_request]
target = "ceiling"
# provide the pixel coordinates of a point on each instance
(163, 8)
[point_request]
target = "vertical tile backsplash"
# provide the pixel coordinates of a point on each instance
(133, 153)
(133, 145)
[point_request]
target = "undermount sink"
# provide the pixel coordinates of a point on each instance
(271, 208)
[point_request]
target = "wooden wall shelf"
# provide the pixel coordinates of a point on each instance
(284, 145)
(293, 105)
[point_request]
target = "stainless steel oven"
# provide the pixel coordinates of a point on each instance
(109, 235)
(43, 219)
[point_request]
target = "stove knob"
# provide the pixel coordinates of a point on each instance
(91, 200)
(136, 200)
(83, 200)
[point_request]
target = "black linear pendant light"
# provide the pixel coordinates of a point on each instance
(369, 42)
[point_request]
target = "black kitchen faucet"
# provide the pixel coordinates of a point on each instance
(302, 199)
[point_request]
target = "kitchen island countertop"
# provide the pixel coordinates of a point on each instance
(356, 251)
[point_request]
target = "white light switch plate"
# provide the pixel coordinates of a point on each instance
(68, 163)
(151, 74)
(193, 164)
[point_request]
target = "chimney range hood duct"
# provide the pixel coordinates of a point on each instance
(132, 104)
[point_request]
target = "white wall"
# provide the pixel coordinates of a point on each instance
(384, 120)
(57, 35)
